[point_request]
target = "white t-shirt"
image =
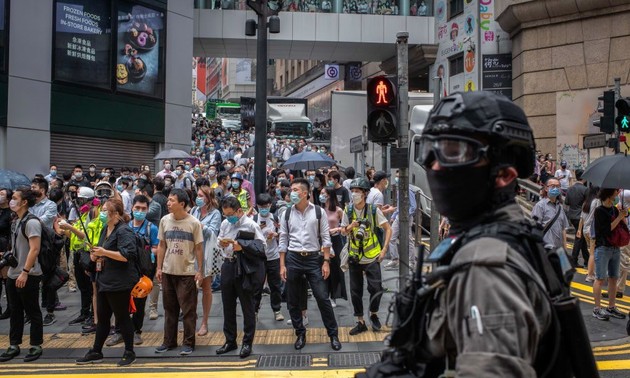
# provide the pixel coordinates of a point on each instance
(564, 176)
(375, 197)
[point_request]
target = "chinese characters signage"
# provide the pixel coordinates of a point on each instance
(82, 42)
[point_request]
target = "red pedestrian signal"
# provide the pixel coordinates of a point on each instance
(382, 109)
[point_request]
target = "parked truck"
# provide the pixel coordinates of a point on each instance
(287, 118)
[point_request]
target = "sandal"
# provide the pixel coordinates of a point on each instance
(203, 330)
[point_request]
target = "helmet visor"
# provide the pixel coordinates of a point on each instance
(450, 151)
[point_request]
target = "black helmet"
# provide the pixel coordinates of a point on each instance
(360, 183)
(492, 116)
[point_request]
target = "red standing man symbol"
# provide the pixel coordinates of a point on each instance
(381, 91)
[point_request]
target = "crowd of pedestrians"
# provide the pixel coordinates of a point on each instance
(205, 230)
(595, 214)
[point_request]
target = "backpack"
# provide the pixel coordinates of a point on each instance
(145, 263)
(318, 215)
(275, 218)
(50, 246)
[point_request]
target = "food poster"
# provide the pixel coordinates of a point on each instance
(139, 55)
(82, 42)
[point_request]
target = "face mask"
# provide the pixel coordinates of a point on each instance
(211, 149)
(197, 169)
(396, 180)
(140, 215)
(232, 219)
(322, 199)
(448, 186)
(264, 211)
(53, 172)
(200, 201)
(84, 209)
(553, 192)
(228, 166)
(78, 176)
(119, 188)
(357, 198)
(188, 166)
(295, 198)
(331, 183)
(167, 167)
(135, 187)
(311, 179)
(92, 170)
(106, 174)
(102, 216)
(96, 202)
(235, 184)
(13, 205)
(178, 172)
(212, 173)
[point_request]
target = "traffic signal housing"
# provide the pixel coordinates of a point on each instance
(607, 109)
(623, 115)
(382, 109)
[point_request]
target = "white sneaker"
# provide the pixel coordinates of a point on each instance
(153, 314)
(72, 289)
(279, 316)
(333, 303)
(590, 278)
(304, 321)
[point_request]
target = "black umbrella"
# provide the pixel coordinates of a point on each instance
(13, 180)
(611, 172)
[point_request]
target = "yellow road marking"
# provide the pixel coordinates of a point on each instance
(612, 353)
(612, 347)
(218, 374)
(613, 365)
(144, 364)
(591, 300)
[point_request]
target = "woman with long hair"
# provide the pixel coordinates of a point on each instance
(116, 275)
(591, 202)
(336, 281)
(207, 212)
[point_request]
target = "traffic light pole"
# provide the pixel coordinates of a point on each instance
(402, 52)
(617, 98)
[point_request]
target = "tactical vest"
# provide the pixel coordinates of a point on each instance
(369, 247)
(94, 229)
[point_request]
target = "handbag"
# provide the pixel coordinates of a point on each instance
(86, 262)
(620, 236)
(57, 279)
(212, 258)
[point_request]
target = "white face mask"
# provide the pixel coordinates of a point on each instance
(356, 198)
(13, 205)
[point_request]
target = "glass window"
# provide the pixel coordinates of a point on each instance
(455, 7)
(83, 42)
(456, 64)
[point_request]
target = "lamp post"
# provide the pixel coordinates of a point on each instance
(251, 28)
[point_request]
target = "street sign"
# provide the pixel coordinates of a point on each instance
(355, 144)
(594, 141)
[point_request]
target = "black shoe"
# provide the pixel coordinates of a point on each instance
(360, 327)
(376, 323)
(11, 353)
(300, 342)
(88, 323)
(78, 320)
(49, 319)
(128, 358)
(6, 314)
(33, 354)
(91, 357)
(617, 295)
(89, 330)
(335, 343)
(227, 347)
(246, 350)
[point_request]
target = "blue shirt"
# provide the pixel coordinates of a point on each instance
(142, 230)
(412, 204)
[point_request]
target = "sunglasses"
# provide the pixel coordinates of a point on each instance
(450, 151)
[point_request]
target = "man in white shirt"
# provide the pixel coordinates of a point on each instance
(302, 236)
(565, 177)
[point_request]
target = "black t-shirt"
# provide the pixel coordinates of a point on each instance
(92, 179)
(603, 218)
(5, 229)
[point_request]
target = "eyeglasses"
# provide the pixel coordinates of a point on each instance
(450, 151)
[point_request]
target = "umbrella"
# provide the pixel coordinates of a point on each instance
(308, 160)
(172, 154)
(12, 180)
(611, 171)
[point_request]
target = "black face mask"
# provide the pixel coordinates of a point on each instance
(461, 194)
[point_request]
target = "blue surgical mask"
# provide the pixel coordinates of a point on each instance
(200, 201)
(102, 216)
(264, 211)
(554, 192)
(178, 172)
(322, 199)
(232, 219)
(140, 215)
(53, 172)
(119, 187)
(236, 184)
(331, 183)
(311, 179)
(295, 198)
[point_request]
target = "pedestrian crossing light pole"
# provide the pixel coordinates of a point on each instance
(264, 9)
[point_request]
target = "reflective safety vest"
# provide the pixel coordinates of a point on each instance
(242, 198)
(371, 246)
(94, 228)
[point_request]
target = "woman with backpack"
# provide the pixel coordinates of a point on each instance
(116, 275)
(207, 212)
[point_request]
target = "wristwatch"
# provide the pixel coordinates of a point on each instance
(327, 260)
